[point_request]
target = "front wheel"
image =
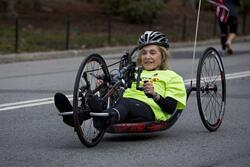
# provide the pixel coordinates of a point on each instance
(92, 68)
(211, 89)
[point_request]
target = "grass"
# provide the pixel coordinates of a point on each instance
(31, 40)
(7, 39)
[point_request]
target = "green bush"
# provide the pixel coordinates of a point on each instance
(244, 6)
(7, 39)
(139, 11)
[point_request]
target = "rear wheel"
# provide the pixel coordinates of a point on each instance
(211, 89)
(92, 68)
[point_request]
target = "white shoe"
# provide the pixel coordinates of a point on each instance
(229, 48)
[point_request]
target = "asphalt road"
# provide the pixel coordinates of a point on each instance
(31, 133)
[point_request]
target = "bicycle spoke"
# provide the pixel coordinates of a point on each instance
(85, 83)
(211, 89)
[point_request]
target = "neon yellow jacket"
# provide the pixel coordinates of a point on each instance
(167, 83)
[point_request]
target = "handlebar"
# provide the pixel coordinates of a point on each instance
(138, 71)
(138, 79)
(128, 72)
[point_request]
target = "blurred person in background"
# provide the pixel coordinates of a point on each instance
(229, 28)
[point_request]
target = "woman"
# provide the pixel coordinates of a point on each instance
(163, 90)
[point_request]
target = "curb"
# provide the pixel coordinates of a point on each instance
(184, 48)
(34, 56)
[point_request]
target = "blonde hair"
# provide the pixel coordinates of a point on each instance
(165, 54)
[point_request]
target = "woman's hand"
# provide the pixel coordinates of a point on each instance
(148, 88)
(150, 91)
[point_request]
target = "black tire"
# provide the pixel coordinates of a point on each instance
(211, 89)
(85, 84)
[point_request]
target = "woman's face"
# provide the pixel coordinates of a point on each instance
(151, 57)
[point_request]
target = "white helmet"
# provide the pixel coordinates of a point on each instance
(153, 37)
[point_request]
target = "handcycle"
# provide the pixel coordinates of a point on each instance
(210, 93)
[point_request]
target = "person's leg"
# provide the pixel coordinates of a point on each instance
(125, 110)
(96, 105)
(233, 25)
(139, 112)
(131, 110)
(63, 105)
(224, 33)
(231, 37)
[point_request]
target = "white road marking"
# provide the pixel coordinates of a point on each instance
(28, 103)
(50, 100)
